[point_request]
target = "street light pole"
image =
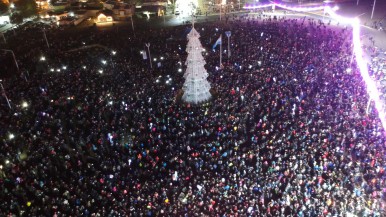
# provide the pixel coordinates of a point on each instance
(14, 58)
(148, 50)
(174, 6)
(324, 14)
(221, 52)
(368, 106)
(45, 37)
(372, 13)
(357, 2)
(132, 24)
(12, 7)
(220, 10)
(5, 95)
(228, 34)
(5, 41)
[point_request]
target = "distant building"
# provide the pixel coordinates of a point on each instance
(104, 16)
(109, 4)
(123, 11)
(4, 1)
(155, 2)
(42, 4)
(74, 18)
(4, 20)
(152, 7)
(120, 10)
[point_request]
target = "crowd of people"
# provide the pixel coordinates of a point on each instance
(95, 131)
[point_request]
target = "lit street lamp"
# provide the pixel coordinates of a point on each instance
(12, 8)
(228, 34)
(148, 50)
(113, 53)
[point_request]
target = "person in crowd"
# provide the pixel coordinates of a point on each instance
(100, 133)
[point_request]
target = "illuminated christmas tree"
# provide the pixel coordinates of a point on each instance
(196, 87)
